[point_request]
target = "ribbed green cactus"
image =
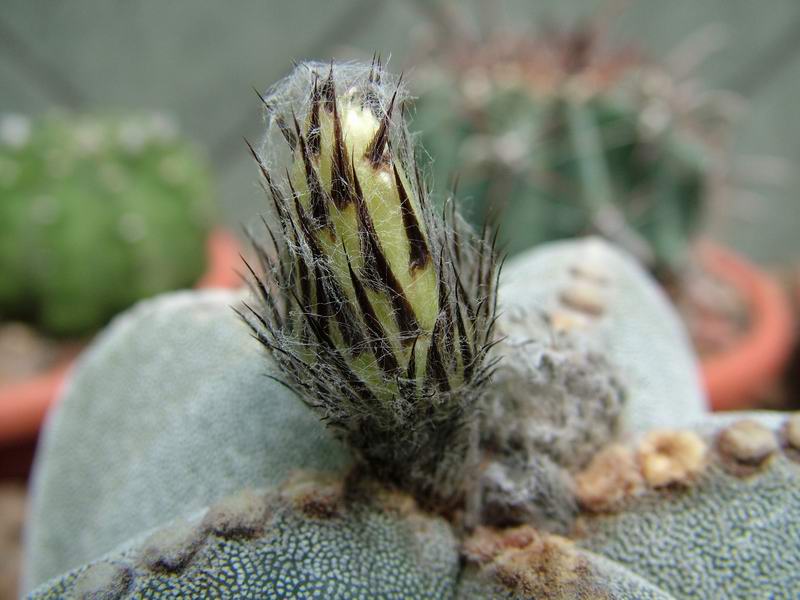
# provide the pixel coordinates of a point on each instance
(378, 310)
(563, 137)
(96, 213)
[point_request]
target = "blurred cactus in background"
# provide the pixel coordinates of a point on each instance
(96, 213)
(563, 137)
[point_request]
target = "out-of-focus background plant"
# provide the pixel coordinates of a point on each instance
(563, 136)
(560, 133)
(96, 213)
(562, 117)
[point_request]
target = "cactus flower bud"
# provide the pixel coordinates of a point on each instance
(378, 310)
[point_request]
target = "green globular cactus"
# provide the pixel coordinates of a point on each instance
(378, 311)
(95, 214)
(578, 490)
(565, 137)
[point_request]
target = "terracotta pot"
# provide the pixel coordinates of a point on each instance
(734, 378)
(23, 404)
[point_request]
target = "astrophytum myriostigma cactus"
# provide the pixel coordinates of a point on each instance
(378, 310)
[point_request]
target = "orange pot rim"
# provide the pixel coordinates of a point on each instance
(734, 376)
(24, 403)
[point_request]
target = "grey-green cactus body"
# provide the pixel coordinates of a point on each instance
(715, 516)
(96, 213)
(359, 551)
(723, 525)
(732, 533)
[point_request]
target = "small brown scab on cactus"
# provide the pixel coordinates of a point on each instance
(563, 321)
(243, 514)
(104, 581)
(791, 432)
(395, 501)
(591, 272)
(172, 549)
(315, 495)
(533, 564)
(486, 542)
(584, 297)
(669, 457)
(613, 476)
(745, 446)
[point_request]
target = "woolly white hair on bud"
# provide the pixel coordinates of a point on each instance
(290, 96)
(379, 310)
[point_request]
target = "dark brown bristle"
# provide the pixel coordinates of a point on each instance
(466, 351)
(345, 319)
(372, 73)
(376, 150)
(341, 189)
(267, 106)
(421, 190)
(314, 133)
(322, 306)
(418, 253)
(328, 91)
(411, 368)
(307, 230)
(454, 229)
(318, 196)
(377, 336)
(435, 372)
(305, 285)
(466, 300)
(279, 249)
(369, 95)
(286, 132)
(446, 312)
(259, 282)
(378, 267)
(262, 167)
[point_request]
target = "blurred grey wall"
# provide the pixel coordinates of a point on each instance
(199, 59)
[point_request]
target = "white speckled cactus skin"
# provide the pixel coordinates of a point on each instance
(149, 429)
(96, 491)
(602, 296)
(363, 551)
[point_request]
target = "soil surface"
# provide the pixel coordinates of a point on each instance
(24, 352)
(12, 512)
